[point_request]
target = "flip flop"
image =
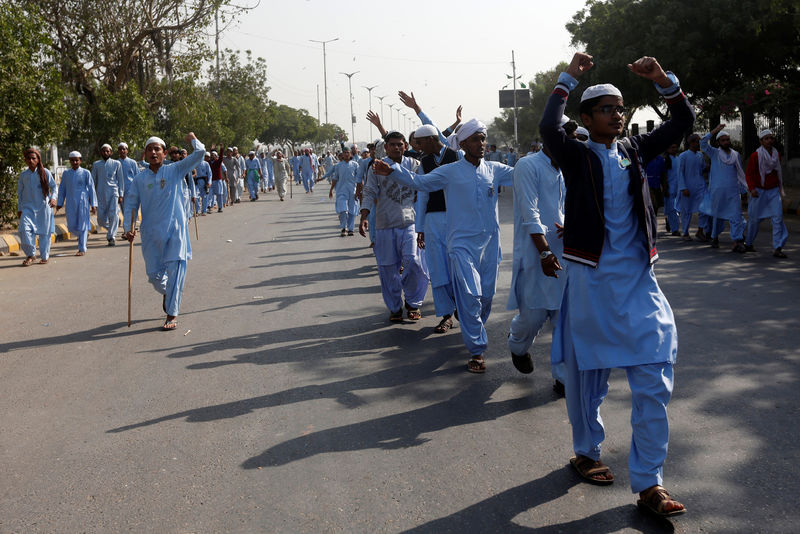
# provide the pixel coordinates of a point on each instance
(172, 324)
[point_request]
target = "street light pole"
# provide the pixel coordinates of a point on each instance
(369, 90)
(391, 119)
(352, 117)
(324, 70)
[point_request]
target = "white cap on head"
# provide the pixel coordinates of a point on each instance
(251, 153)
(582, 131)
(122, 145)
(602, 89)
(426, 130)
(469, 128)
(105, 146)
(74, 154)
(763, 133)
(722, 133)
(564, 120)
(208, 154)
(214, 152)
(156, 140)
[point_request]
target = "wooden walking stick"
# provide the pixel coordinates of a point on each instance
(130, 269)
(194, 207)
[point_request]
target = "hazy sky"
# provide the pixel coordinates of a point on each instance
(446, 52)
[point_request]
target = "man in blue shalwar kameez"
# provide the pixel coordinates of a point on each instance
(726, 183)
(159, 191)
(400, 266)
(344, 181)
(77, 191)
(129, 167)
(536, 288)
(613, 313)
(692, 189)
(473, 231)
(110, 183)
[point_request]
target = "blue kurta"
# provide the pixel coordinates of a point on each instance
(129, 170)
(473, 236)
(690, 176)
(37, 215)
(618, 316)
(724, 185)
(77, 189)
(344, 176)
(539, 193)
(164, 226)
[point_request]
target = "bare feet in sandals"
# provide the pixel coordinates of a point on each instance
(592, 471)
(170, 323)
(476, 365)
(657, 500)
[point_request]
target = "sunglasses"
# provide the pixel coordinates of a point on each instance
(608, 109)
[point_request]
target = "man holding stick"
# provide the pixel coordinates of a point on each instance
(165, 242)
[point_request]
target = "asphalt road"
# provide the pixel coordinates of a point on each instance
(286, 401)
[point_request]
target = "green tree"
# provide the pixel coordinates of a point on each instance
(729, 54)
(33, 110)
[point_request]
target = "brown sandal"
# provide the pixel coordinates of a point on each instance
(42, 262)
(476, 365)
(656, 500)
(27, 261)
(588, 469)
(444, 325)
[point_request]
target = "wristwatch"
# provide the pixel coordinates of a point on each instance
(545, 254)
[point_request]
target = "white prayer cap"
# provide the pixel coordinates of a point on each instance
(723, 132)
(214, 152)
(74, 154)
(251, 153)
(603, 89)
(122, 145)
(582, 131)
(564, 120)
(208, 154)
(763, 133)
(452, 141)
(470, 127)
(156, 140)
(105, 146)
(426, 130)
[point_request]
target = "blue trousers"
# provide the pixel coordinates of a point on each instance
(308, 183)
(396, 247)
(202, 195)
(651, 389)
(252, 186)
(525, 326)
(27, 241)
(737, 227)
(347, 220)
(703, 222)
(108, 216)
(779, 232)
(672, 214)
(82, 237)
(169, 280)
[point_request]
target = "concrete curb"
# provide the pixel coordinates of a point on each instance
(10, 242)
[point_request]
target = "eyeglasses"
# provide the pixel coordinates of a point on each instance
(608, 109)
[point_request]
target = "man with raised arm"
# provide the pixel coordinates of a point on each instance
(613, 313)
(158, 190)
(473, 230)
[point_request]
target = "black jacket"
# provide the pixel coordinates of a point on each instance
(584, 225)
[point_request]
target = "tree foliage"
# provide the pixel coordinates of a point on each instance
(33, 110)
(729, 54)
